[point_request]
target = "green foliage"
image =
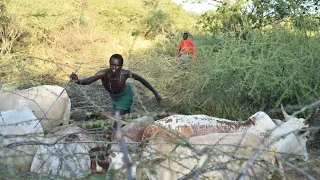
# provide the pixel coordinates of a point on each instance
(20, 71)
(232, 77)
(269, 68)
(272, 12)
(60, 29)
(10, 31)
(239, 16)
(157, 21)
(165, 19)
(235, 78)
(307, 23)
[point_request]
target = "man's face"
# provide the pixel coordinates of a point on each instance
(185, 36)
(115, 65)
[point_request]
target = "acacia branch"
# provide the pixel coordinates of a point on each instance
(310, 106)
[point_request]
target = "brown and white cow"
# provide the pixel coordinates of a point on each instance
(225, 155)
(39, 99)
(186, 126)
(132, 133)
(197, 125)
(177, 126)
(212, 156)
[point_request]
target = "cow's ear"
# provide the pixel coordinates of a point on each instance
(303, 132)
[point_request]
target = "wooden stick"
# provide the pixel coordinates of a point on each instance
(65, 87)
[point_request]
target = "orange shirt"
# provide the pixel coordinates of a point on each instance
(187, 47)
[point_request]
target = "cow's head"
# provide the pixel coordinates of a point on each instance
(293, 134)
(262, 121)
(116, 161)
(117, 164)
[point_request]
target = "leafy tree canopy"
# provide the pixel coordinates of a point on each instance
(236, 16)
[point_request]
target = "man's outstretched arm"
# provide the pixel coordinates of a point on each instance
(146, 84)
(88, 80)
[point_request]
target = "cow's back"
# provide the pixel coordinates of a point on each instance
(177, 126)
(193, 125)
(65, 157)
(18, 126)
(70, 160)
(133, 131)
(39, 99)
(197, 125)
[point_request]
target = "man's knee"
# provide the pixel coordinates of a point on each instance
(121, 111)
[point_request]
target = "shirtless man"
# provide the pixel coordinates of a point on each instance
(114, 81)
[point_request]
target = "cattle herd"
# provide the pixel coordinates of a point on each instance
(175, 147)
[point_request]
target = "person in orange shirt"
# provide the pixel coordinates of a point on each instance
(185, 49)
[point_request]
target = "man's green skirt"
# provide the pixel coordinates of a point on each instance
(124, 99)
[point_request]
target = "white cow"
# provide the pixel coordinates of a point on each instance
(217, 156)
(177, 126)
(61, 155)
(16, 127)
(39, 99)
(225, 159)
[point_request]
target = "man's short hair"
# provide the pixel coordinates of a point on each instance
(186, 34)
(116, 56)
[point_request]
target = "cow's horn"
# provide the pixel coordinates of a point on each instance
(286, 116)
(307, 119)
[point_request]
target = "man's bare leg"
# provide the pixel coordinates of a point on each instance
(120, 112)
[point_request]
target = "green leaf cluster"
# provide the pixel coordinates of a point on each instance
(239, 16)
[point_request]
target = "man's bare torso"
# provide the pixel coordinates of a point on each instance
(114, 83)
